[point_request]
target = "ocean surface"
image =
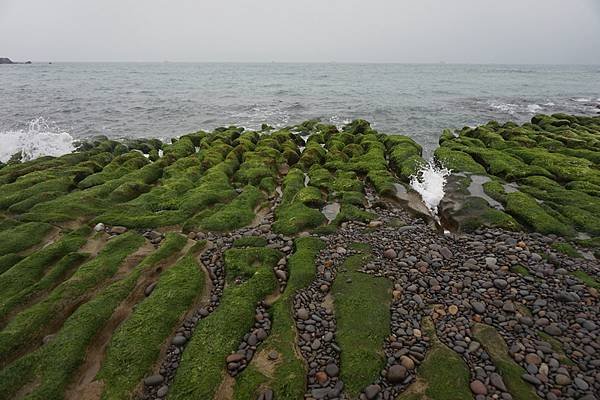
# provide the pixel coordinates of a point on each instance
(44, 107)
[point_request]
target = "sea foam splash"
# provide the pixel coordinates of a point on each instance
(429, 182)
(39, 139)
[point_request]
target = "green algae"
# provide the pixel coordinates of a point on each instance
(458, 161)
(527, 210)
(134, 345)
(32, 268)
(287, 380)
(358, 296)
(442, 375)
(27, 325)
(234, 215)
(553, 158)
(202, 365)
(22, 237)
(510, 371)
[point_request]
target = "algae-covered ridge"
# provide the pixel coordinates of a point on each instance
(543, 175)
(142, 269)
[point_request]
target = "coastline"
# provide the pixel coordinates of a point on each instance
(251, 253)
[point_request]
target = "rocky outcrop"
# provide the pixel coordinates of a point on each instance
(6, 60)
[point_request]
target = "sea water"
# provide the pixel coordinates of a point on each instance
(163, 100)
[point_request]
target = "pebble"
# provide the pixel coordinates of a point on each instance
(154, 380)
(478, 387)
(396, 373)
(372, 391)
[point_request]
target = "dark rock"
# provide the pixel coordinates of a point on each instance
(396, 373)
(372, 391)
(154, 380)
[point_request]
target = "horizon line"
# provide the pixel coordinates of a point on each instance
(293, 62)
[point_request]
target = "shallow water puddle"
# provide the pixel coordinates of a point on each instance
(476, 189)
(331, 211)
(306, 179)
(510, 187)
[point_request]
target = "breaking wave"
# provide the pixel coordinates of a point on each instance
(40, 138)
(429, 182)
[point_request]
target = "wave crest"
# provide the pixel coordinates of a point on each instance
(39, 139)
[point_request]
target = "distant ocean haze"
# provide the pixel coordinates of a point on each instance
(45, 106)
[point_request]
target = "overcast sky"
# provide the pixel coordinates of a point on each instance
(412, 31)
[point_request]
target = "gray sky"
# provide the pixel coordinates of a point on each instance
(469, 31)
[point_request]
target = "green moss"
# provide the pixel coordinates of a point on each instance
(366, 297)
(292, 216)
(129, 191)
(487, 136)
(268, 184)
(557, 346)
(320, 177)
(32, 268)
(22, 237)
(566, 248)
(383, 182)
(202, 365)
(238, 213)
(310, 196)
(138, 347)
(584, 187)
(586, 279)
(94, 199)
(495, 190)
(354, 198)
(8, 260)
(571, 206)
(504, 165)
(527, 210)
(27, 326)
(442, 375)
(565, 168)
(287, 381)
(358, 126)
(25, 205)
(458, 161)
(250, 241)
(54, 275)
(475, 212)
(404, 154)
(50, 184)
(117, 168)
(510, 371)
(346, 182)
(242, 263)
(68, 348)
(521, 270)
(410, 167)
(349, 212)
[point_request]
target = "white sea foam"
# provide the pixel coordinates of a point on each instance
(39, 139)
(429, 182)
(582, 100)
(506, 107)
(533, 108)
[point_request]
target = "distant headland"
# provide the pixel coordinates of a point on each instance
(5, 60)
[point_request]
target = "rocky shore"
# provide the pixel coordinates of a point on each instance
(296, 264)
(4, 60)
